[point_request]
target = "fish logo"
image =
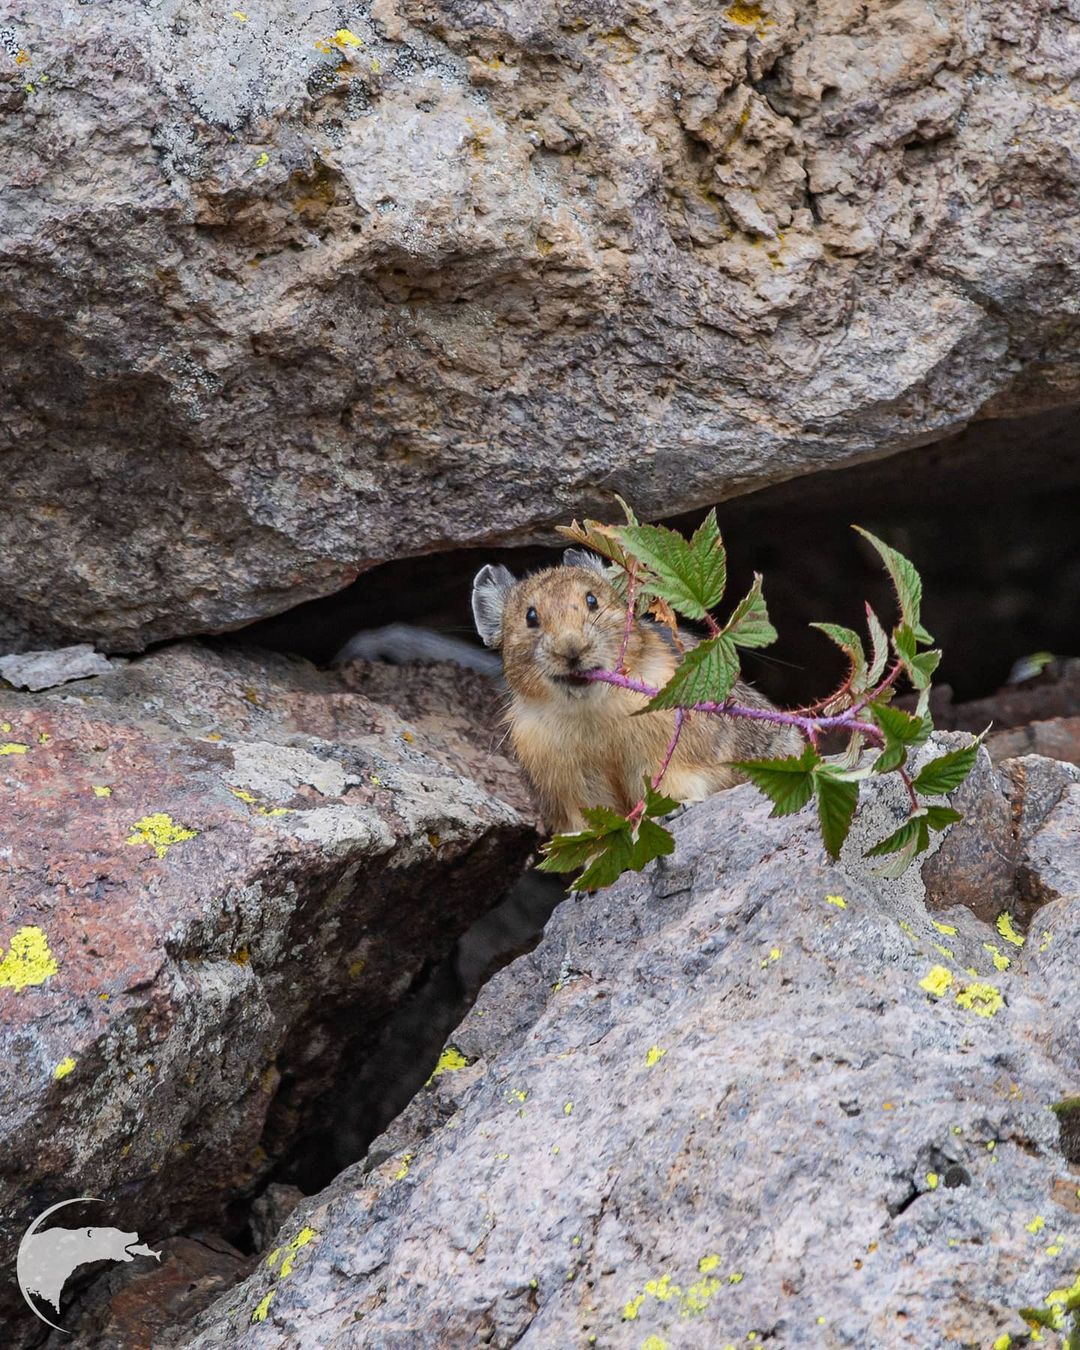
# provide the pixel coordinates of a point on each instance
(47, 1258)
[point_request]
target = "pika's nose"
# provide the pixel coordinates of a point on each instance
(571, 653)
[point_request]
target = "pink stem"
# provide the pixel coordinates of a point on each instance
(680, 718)
(846, 721)
(631, 589)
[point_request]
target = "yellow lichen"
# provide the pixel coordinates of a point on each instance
(708, 1264)
(403, 1170)
(655, 1055)
(631, 1310)
(450, 1061)
(344, 38)
(64, 1067)
(291, 1249)
(837, 900)
(243, 796)
(28, 960)
(749, 16)
(1037, 1224)
(13, 748)
(945, 951)
(937, 981)
(1000, 960)
(983, 999)
(263, 1307)
(99, 790)
(160, 831)
(654, 1343)
(568, 1109)
(1047, 936)
(261, 161)
(932, 1179)
(947, 928)
(1007, 931)
(239, 16)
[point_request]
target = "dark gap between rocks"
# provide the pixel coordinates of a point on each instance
(988, 517)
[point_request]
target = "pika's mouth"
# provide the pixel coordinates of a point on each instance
(575, 679)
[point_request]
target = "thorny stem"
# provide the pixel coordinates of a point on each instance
(811, 726)
(680, 718)
(631, 589)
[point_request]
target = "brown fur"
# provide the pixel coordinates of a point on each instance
(579, 744)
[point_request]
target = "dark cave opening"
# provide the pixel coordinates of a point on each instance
(989, 517)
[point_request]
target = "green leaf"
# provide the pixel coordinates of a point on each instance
(690, 576)
(749, 625)
(850, 644)
(653, 841)
(906, 581)
(880, 646)
(788, 783)
(892, 757)
(656, 804)
(899, 725)
(941, 817)
(899, 839)
(919, 665)
(706, 674)
(836, 806)
(612, 859)
(947, 771)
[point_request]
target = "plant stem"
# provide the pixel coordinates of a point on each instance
(631, 590)
(680, 718)
(845, 721)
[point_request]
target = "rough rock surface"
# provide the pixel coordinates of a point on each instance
(282, 288)
(220, 873)
(747, 1097)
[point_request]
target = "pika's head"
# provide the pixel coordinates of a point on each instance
(553, 626)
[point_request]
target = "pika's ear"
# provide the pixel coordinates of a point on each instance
(579, 557)
(490, 588)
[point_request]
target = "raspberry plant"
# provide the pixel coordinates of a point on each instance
(660, 572)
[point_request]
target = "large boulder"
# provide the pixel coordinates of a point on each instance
(287, 291)
(746, 1097)
(221, 873)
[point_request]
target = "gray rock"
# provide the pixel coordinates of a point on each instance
(221, 873)
(747, 1096)
(283, 299)
(44, 670)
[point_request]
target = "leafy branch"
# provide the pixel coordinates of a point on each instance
(658, 570)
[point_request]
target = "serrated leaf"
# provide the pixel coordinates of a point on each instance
(941, 817)
(568, 852)
(656, 804)
(906, 582)
(837, 800)
(598, 538)
(788, 782)
(851, 756)
(899, 839)
(947, 771)
(689, 575)
(899, 862)
(850, 644)
(899, 725)
(653, 841)
(612, 859)
(892, 757)
(706, 674)
(919, 666)
(749, 624)
(879, 648)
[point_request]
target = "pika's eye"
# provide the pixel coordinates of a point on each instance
(532, 618)
(591, 600)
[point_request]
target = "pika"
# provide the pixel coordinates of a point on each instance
(576, 738)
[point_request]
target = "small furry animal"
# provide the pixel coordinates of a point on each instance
(576, 737)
